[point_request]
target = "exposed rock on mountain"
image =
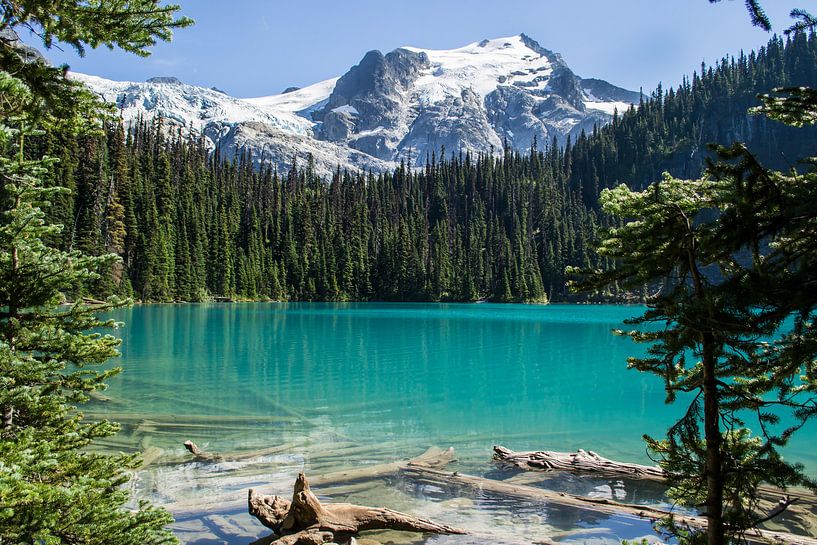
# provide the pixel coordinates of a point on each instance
(404, 105)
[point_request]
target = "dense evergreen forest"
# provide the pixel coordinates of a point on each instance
(190, 225)
(670, 132)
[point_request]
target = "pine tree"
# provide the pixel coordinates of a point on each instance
(712, 311)
(731, 258)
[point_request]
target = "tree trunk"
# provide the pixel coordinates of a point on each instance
(8, 418)
(8, 412)
(712, 434)
(305, 520)
(712, 430)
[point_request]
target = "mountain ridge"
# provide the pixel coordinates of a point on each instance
(404, 104)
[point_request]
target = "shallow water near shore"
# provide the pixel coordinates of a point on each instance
(339, 386)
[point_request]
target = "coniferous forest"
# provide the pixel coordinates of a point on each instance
(191, 225)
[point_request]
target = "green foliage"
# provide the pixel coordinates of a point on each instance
(671, 129)
(201, 226)
(731, 262)
(756, 13)
(726, 256)
(130, 25)
(795, 106)
(803, 21)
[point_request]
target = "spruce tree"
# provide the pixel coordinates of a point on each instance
(53, 488)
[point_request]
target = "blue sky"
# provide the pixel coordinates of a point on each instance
(259, 47)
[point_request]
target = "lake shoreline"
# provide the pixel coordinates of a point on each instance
(225, 301)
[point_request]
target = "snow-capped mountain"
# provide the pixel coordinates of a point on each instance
(406, 104)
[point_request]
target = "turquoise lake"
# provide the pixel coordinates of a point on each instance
(345, 385)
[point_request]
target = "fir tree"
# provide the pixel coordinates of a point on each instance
(729, 257)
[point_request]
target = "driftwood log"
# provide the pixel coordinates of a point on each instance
(589, 462)
(434, 457)
(581, 461)
(306, 521)
(200, 455)
(800, 504)
(480, 485)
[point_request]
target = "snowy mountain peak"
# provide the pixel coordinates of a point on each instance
(407, 103)
(484, 66)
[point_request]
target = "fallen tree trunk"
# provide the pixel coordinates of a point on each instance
(581, 461)
(589, 462)
(434, 457)
(204, 456)
(800, 504)
(595, 505)
(200, 455)
(307, 521)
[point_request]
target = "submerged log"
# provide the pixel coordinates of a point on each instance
(434, 457)
(531, 493)
(581, 461)
(444, 479)
(200, 455)
(305, 520)
(203, 456)
(589, 462)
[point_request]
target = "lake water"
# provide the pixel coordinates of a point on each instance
(345, 385)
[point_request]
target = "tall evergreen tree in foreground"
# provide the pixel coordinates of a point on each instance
(732, 261)
(52, 488)
(719, 293)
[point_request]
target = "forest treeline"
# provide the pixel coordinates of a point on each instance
(190, 224)
(671, 131)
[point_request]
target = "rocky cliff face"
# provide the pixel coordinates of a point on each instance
(367, 108)
(404, 105)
